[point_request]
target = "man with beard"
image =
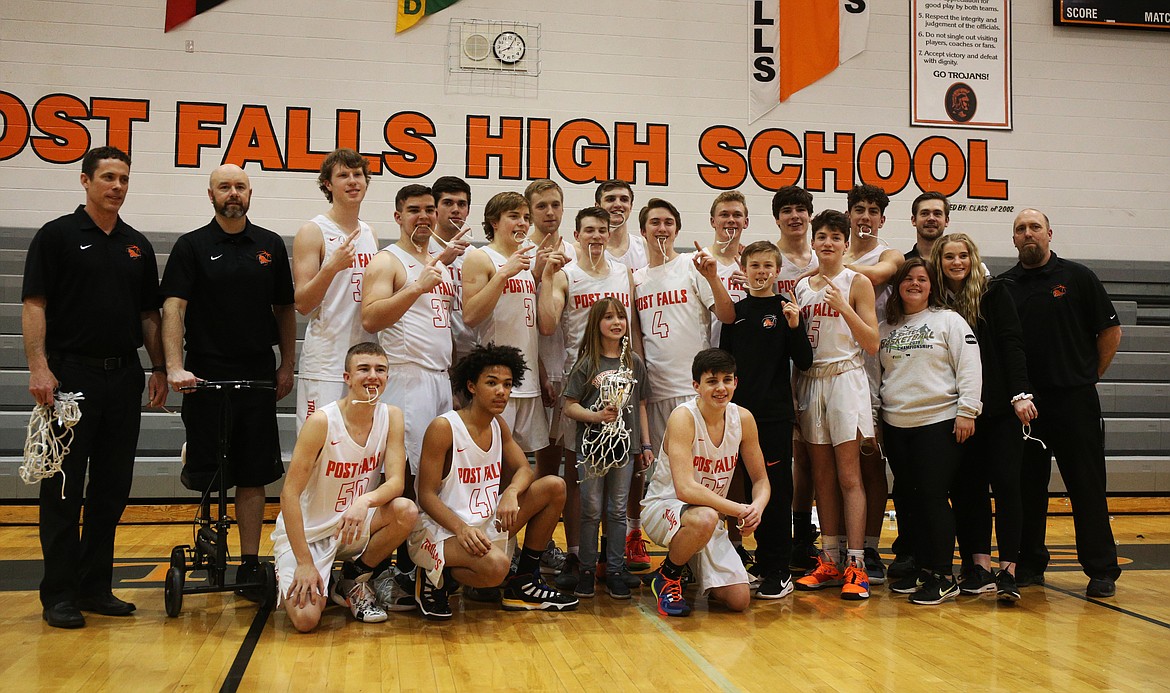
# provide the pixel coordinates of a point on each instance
(1071, 333)
(930, 213)
(228, 289)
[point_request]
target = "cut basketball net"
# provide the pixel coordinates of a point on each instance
(607, 446)
(45, 447)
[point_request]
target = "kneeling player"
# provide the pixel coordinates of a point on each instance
(686, 500)
(332, 507)
(464, 534)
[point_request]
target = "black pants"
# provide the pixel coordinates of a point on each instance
(990, 457)
(79, 561)
(1070, 425)
(774, 535)
(925, 461)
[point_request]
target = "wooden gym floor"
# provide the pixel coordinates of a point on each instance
(1053, 639)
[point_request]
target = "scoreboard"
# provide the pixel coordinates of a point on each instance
(1123, 14)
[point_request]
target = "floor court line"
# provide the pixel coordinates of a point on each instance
(691, 653)
(244, 655)
(1107, 605)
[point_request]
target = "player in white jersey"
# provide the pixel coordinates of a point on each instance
(332, 506)
(330, 254)
(499, 303)
(686, 501)
(729, 218)
(450, 242)
(567, 292)
(674, 298)
(833, 402)
(877, 261)
(467, 520)
(792, 207)
(617, 198)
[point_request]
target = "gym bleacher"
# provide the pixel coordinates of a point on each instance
(1135, 394)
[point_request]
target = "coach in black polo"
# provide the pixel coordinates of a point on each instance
(228, 288)
(90, 299)
(1071, 333)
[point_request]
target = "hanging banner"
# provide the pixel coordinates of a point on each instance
(796, 42)
(960, 63)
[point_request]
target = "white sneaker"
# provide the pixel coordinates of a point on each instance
(362, 601)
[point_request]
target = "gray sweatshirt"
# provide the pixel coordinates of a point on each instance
(930, 369)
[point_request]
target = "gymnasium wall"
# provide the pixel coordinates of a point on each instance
(655, 90)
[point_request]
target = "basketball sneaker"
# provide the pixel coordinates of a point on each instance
(902, 566)
(669, 595)
(432, 601)
(570, 573)
(636, 556)
(1005, 588)
(874, 567)
(585, 585)
(856, 585)
(776, 585)
(552, 561)
(804, 551)
(487, 595)
(617, 587)
(827, 574)
(530, 593)
(938, 589)
(394, 590)
(976, 580)
(360, 599)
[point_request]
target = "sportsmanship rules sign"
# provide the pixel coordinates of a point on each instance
(961, 67)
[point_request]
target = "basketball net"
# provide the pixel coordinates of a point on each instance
(46, 446)
(607, 446)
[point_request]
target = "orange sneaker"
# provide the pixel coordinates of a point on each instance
(856, 585)
(636, 556)
(826, 575)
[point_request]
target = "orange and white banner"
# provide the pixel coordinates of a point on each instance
(796, 42)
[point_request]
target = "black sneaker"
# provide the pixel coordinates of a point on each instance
(745, 557)
(529, 593)
(585, 585)
(938, 589)
(1005, 588)
(1101, 588)
(903, 566)
(804, 555)
(874, 567)
(616, 585)
(776, 585)
(570, 574)
(487, 595)
(976, 580)
(432, 601)
(909, 584)
(631, 581)
(250, 572)
(1027, 578)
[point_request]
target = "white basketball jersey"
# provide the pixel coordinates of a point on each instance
(881, 292)
(336, 324)
(828, 332)
(736, 290)
(552, 347)
(344, 470)
(463, 335)
(471, 488)
(583, 291)
(513, 322)
(789, 273)
(714, 464)
(422, 336)
(636, 256)
(673, 303)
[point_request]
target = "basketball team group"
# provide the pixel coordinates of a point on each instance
(693, 398)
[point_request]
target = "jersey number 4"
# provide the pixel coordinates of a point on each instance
(660, 327)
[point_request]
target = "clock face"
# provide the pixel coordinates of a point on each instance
(508, 47)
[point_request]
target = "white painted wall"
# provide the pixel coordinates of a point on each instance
(1090, 145)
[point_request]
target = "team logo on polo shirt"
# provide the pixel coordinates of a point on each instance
(264, 257)
(769, 322)
(133, 251)
(1059, 290)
